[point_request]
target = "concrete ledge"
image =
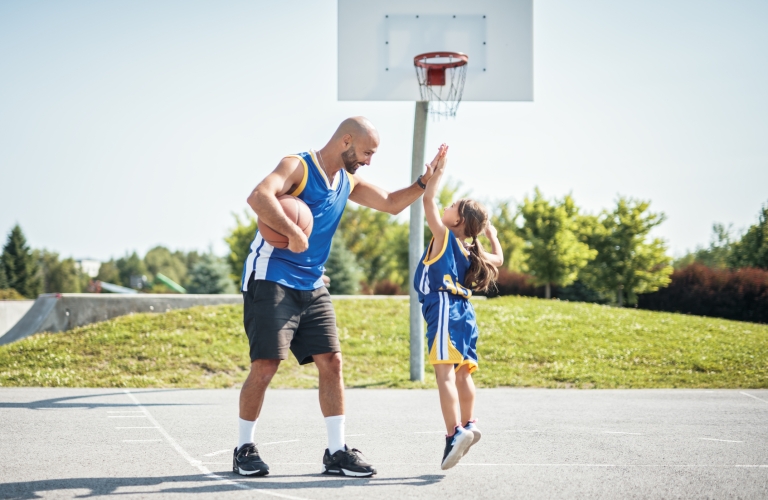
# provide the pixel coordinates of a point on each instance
(11, 311)
(57, 312)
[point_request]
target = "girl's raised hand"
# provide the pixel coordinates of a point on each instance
(435, 164)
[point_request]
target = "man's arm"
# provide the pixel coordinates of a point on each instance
(263, 200)
(374, 197)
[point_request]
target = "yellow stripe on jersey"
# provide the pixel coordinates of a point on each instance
(427, 260)
(461, 246)
(303, 183)
(351, 181)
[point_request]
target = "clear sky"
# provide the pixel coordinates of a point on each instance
(127, 124)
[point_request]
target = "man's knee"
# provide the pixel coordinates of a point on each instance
(262, 370)
(328, 363)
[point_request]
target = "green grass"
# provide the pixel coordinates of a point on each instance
(523, 342)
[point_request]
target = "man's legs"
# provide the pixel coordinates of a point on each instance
(331, 391)
(331, 383)
(255, 386)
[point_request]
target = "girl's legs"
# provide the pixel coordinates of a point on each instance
(466, 391)
(449, 396)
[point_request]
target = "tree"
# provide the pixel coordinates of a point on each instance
(379, 243)
(752, 249)
(60, 276)
(110, 273)
(4, 285)
(131, 265)
(717, 255)
(239, 240)
(172, 265)
(210, 275)
(342, 268)
(554, 254)
(627, 263)
(21, 270)
(504, 218)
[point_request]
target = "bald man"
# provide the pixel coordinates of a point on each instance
(286, 305)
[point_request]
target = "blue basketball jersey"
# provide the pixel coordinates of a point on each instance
(326, 201)
(445, 272)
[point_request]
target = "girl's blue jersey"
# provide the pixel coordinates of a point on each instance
(326, 201)
(445, 272)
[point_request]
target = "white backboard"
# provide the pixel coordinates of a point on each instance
(378, 40)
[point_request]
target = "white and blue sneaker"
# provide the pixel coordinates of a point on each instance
(472, 426)
(456, 446)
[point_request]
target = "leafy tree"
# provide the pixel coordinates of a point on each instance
(4, 285)
(130, 265)
(752, 249)
(172, 265)
(342, 268)
(379, 243)
(717, 255)
(20, 266)
(60, 276)
(210, 275)
(110, 273)
(239, 240)
(627, 263)
(554, 254)
(504, 218)
(190, 259)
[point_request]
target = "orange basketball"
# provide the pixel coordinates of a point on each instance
(298, 212)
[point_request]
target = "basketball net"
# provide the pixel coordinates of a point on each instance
(441, 77)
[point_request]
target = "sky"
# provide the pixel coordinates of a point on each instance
(130, 124)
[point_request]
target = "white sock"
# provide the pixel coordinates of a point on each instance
(247, 430)
(335, 426)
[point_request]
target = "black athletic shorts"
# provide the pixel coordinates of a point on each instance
(278, 318)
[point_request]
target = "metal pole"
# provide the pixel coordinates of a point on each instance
(416, 241)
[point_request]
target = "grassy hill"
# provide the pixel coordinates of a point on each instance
(523, 342)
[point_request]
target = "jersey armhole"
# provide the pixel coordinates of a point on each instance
(303, 183)
(427, 260)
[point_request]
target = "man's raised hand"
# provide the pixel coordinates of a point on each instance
(438, 163)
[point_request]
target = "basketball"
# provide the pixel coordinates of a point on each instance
(298, 212)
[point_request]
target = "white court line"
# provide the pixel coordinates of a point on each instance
(280, 442)
(141, 440)
(135, 427)
(721, 440)
(755, 397)
(617, 432)
(126, 411)
(351, 435)
(127, 416)
(430, 432)
(197, 463)
(214, 454)
(515, 430)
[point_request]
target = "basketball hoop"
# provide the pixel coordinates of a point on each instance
(441, 89)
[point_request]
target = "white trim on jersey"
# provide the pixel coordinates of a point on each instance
(262, 261)
(261, 252)
(424, 286)
(443, 336)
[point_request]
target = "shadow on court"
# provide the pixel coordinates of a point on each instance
(94, 486)
(72, 402)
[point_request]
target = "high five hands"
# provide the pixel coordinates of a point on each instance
(437, 164)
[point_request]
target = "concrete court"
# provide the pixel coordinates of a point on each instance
(538, 443)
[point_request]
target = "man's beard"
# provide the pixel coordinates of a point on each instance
(349, 158)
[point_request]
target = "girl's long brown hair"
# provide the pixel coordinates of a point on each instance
(481, 274)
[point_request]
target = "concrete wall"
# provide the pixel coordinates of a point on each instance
(11, 311)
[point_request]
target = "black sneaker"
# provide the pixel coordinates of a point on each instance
(247, 462)
(346, 462)
(455, 446)
(472, 426)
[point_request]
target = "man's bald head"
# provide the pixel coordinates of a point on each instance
(359, 128)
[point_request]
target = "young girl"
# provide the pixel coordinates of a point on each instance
(449, 270)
